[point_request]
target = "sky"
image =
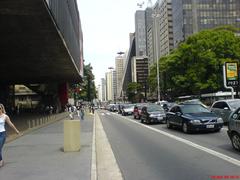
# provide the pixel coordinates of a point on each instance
(106, 25)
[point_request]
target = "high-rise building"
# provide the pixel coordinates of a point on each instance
(165, 28)
(140, 71)
(119, 67)
(149, 32)
(102, 90)
(160, 32)
(192, 16)
(140, 33)
(111, 86)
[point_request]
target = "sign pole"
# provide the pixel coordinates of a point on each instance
(225, 81)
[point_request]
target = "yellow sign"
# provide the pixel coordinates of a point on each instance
(232, 71)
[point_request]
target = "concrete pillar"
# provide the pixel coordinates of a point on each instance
(71, 135)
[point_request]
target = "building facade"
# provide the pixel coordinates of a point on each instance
(192, 16)
(111, 86)
(165, 28)
(102, 90)
(140, 71)
(140, 33)
(119, 67)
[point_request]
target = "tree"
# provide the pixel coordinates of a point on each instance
(85, 90)
(196, 65)
(133, 92)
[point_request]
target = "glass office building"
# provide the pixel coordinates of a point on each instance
(191, 16)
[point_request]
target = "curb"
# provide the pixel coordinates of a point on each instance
(107, 167)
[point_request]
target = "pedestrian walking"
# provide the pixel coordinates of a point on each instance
(82, 112)
(4, 118)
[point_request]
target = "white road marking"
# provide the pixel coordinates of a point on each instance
(197, 146)
(103, 114)
(108, 113)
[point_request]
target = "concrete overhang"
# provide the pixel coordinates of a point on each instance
(31, 47)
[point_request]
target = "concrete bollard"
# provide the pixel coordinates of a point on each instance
(71, 135)
(29, 124)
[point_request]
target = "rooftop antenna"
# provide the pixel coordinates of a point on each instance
(140, 5)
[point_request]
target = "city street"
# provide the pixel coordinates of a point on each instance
(155, 152)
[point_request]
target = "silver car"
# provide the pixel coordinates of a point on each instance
(223, 108)
(234, 129)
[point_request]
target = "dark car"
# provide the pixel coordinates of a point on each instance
(153, 113)
(193, 117)
(234, 129)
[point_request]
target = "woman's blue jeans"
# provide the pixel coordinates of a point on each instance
(2, 141)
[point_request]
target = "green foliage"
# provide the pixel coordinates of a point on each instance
(133, 92)
(85, 90)
(196, 65)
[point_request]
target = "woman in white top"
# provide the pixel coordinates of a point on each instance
(4, 118)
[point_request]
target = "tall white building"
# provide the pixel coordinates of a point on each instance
(102, 90)
(119, 67)
(111, 86)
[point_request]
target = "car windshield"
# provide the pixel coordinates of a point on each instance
(234, 104)
(153, 108)
(194, 108)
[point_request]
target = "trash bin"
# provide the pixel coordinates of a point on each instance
(71, 135)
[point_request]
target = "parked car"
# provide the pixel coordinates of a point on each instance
(223, 108)
(127, 109)
(234, 129)
(193, 117)
(153, 113)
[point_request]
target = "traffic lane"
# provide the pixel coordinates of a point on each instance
(218, 141)
(144, 154)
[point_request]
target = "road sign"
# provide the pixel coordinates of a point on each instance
(231, 74)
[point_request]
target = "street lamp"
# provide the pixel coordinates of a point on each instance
(155, 15)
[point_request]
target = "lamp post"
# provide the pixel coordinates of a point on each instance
(155, 15)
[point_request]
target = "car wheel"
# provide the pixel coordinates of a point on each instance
(235, 138)
(148, 121)
(169, 126)
(141, 120)
(185, 128)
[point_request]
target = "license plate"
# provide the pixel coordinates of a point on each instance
(210, 126)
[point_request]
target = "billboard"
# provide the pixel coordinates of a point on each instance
(231, 74)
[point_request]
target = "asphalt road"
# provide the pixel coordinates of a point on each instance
(155, 152)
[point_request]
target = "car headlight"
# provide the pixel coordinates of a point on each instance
(219, 120)
(196, 122)
(152, 115)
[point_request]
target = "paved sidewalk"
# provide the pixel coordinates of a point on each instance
(38, 155)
